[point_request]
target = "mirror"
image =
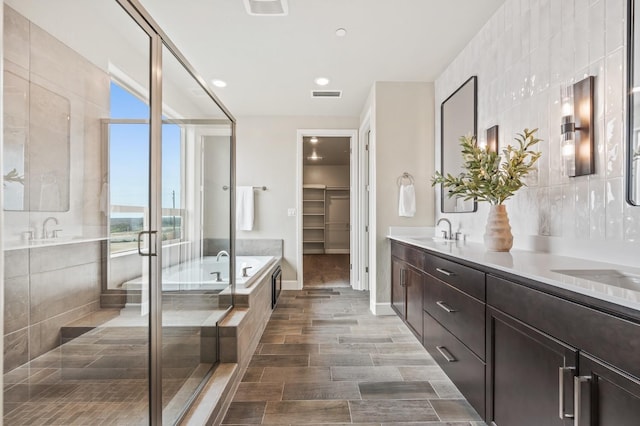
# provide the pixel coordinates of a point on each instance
(458, 118)
(633, 106)
(36, 147)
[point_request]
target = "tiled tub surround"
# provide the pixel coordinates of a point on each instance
(239, 334)
(521, 57)
(540, 267)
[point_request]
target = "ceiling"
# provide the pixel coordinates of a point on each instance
(270, 63)
(333, 150)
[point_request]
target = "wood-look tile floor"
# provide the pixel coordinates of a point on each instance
(326, 270)
(325, 359)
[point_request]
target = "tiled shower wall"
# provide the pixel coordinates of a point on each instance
(522, 56)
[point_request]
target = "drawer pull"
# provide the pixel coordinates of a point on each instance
(445, 272)
(577, 397)
(445, 306)
(446, 354)
(561, 373)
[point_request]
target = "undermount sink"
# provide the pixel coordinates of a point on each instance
(606, 276)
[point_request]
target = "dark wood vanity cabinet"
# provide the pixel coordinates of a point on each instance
(454, 324)
(607, 395)
(563, 356)
(407, 292)
(528, 372)
(522, 353)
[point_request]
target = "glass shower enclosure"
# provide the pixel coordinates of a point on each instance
(117, 237)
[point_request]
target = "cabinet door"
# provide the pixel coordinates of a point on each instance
(398, 296)
(529, 375)
(414, 288)
(607, 397)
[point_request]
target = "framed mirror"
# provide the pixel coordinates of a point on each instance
(633, 104)
(458, 117)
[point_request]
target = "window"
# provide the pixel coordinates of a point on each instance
(129, 173)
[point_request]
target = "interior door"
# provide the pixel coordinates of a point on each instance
(365, 215)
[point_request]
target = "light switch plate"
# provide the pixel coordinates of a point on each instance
(291, 212)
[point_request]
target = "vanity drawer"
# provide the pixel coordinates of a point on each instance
(458, 312)
(469, 280)
(466, 370)
(413, 256)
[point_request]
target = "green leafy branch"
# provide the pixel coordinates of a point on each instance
(490, 176)
(12, 176)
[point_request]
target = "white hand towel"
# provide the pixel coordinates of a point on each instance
(244, 208)
(407, 202)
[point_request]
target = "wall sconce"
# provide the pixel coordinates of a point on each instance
(576, 128)
(492, 139)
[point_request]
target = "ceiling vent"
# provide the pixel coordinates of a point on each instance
(326, 93)
(266, 7)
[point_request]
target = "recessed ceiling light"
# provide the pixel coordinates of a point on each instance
(313, 140)
(219, 83)
(341, 32)
(321, 81)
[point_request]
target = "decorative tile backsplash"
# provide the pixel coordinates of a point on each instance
(522, 56)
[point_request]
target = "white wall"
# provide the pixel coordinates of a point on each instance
(521, 57)
(402, 125)
(266, 155)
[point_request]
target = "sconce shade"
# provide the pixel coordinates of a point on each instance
(576, 129)
(492, 139)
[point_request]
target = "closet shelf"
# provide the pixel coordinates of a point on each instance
(312, 214)
(313, 241)
(320, 228)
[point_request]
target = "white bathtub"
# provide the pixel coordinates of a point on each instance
(199, 274)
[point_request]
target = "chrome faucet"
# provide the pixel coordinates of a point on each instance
(45, 234)
(217, 274)
(445, 235)
(244, 271)
(220, 254)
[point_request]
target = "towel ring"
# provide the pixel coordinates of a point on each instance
(406, 178)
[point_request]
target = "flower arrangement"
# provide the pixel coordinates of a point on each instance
(490, 176)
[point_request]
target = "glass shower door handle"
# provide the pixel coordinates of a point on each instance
(149, 253)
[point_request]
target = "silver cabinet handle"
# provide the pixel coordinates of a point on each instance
(446, 354)
(445, 272)
(561, 373)
(445, 306)
(577, 384)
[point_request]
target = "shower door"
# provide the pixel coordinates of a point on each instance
(78, 121)
(194, 228)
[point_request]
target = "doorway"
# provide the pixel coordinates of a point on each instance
(326, 209)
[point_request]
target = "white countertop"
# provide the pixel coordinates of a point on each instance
(538, 266)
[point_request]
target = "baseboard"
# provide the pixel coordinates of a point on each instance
(336, 251)
(381, 309)
(290, 285)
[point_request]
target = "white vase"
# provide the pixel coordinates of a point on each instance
(497, 236)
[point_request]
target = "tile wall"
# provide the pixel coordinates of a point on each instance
(36, 57)
(522, 56)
